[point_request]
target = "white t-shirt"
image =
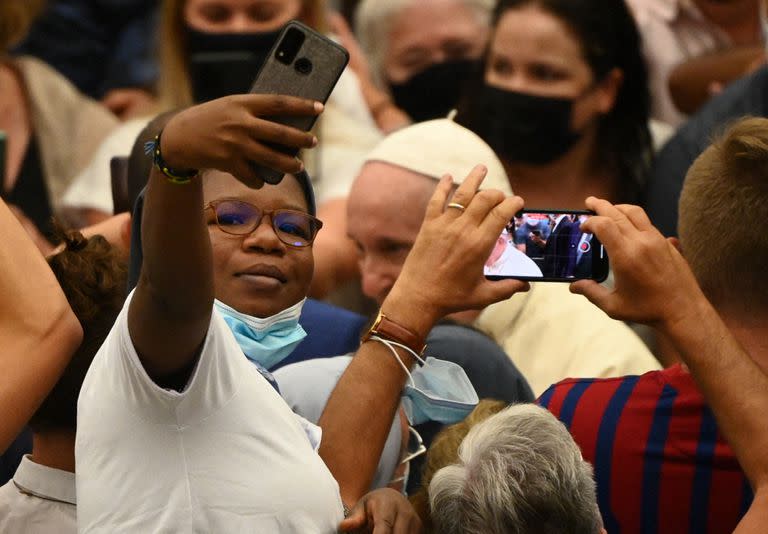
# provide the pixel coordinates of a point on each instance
(225, 455)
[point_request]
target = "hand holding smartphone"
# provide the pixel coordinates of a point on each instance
(548, 246)
(302, 63)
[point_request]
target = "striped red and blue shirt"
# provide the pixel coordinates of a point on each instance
(661, 466)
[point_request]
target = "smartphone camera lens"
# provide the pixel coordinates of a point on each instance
(303, 66)
(289, 46)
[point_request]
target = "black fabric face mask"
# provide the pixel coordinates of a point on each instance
(222, 64)
(435, 91)
(521, 127)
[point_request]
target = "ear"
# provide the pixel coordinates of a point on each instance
(608, 90)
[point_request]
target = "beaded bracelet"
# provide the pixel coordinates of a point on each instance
(175, 176)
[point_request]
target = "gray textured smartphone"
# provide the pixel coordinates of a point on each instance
(547, 246)
(302, 63)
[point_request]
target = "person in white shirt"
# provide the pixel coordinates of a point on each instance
(177, 430)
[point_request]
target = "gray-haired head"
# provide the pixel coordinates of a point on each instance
(373, 24)
(518, 472)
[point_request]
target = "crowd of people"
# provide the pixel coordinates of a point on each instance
(188, 347)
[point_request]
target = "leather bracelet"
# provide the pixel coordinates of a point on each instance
(386, 328)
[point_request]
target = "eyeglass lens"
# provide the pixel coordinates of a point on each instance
(292, 227)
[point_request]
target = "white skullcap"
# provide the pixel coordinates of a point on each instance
(434, 148)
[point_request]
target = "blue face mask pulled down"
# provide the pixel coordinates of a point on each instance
(438, 391)
(265, 342)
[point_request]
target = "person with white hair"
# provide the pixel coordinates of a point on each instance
(414, 55)
(519, 471)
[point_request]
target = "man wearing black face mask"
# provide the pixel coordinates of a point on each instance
(414, 56)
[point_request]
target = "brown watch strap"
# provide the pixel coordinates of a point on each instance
(388, 329)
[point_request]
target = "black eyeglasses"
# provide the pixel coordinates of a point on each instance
(294, 228)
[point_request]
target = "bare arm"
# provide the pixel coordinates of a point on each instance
(654, 285)
(437, 279)
(171, 308)
(38, 331)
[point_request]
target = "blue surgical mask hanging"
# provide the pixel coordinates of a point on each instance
(267, 341)
(438, 391)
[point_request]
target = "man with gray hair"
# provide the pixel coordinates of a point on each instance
(519, 471)
(414, 55)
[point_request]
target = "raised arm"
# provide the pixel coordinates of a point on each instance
(654, 285)
(171, 308)
(38, 330)
(443, 274)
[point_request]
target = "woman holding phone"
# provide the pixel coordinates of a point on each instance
(177, 429)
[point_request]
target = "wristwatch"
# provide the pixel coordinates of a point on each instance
(388, 329)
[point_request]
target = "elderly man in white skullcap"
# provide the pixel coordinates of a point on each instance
(548, 333)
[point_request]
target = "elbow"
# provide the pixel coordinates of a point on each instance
(66, 328)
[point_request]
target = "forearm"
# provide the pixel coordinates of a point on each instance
(735, 387)
(38, 330)
(171, 308)
(360, 410)
(690, 82)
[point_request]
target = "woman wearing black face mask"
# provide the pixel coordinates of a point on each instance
(564, 101)
(214, 48)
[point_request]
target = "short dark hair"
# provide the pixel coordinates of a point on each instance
(93, 277)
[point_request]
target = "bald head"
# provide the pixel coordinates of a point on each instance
(385, 209)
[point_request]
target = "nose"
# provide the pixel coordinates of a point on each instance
(376, 283)
(240, 22)
(264, 239)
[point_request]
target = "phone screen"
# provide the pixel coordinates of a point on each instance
(547, 245)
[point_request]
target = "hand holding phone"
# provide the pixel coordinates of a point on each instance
(302, 63)
(565, 255)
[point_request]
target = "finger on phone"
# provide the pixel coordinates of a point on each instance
(606, 230)
(483, 204)
(498, 217)
(595, 293)
(606, 209)
(636, 215)
(273, 132)
(273, 159)
(260, 105)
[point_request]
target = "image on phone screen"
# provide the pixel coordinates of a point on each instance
(547, 245)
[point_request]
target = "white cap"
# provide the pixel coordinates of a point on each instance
(434, 148)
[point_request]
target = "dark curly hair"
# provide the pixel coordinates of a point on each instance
(610, 39)
(93, 277)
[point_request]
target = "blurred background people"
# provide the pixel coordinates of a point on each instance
(51, 130)
(199, 40)
(106, 48)
(747, 96)
(694, 48)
